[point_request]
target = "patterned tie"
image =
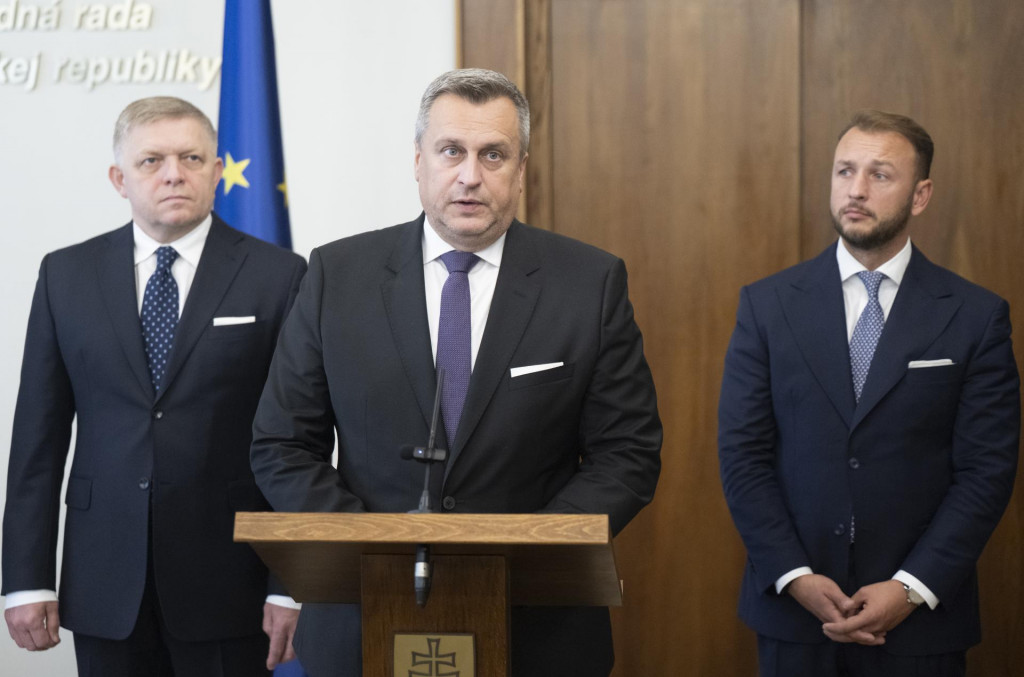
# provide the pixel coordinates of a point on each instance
(866, 333)
(160, 314)
(454, 338)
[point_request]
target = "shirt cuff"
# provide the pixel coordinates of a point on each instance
(909, 579)
(786, 579)
(283, 600)
(23, 597)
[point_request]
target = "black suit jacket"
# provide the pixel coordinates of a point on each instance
(176, 463)
(925, 461)
(355, 359)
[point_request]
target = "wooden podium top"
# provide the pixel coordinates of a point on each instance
(553, 560)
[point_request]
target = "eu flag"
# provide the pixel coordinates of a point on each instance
(253, 195)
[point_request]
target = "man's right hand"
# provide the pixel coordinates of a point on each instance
(34, 626)
(822, 597)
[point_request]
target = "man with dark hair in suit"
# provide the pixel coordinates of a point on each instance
(869, 425)
(156, 337)
(547, 406)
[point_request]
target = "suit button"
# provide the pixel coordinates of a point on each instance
(448, 503)
(840, 529)
(854, 463)
(158, 414)
(144, 483)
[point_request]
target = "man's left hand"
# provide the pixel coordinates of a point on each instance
(279, 624)
(880, 608)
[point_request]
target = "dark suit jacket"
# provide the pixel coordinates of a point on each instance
(182, 456)
(925, 461)
(355, 357)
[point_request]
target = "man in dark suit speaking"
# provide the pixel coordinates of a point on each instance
(869, 424)
(157, 338)
(547, 404)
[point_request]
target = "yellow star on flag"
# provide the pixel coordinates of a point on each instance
(233, 173)
(283, 187)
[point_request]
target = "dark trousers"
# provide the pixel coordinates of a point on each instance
(831, 659)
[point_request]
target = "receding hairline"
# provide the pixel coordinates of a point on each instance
(870, 121)
(477, 86)
(154, 109)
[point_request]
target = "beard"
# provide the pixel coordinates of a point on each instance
(885, 232)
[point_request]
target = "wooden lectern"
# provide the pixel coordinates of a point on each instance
(482, 564)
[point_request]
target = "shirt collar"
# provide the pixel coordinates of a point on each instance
(189, 246)
(434, 246)
(893, 269)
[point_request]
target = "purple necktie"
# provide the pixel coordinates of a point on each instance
(454, 338)
(160, 315)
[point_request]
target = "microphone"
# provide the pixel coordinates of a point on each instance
(427, 455)
(413, 453)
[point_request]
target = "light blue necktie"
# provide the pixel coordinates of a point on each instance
(454, 338)
(866, 333)
(160, 315)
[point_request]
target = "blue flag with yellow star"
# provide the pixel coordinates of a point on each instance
(253, 196)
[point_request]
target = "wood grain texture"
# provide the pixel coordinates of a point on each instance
(553, 559)
(468, 595)
(675, 124)
(694, 139)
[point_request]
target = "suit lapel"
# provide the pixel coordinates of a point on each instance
(403, 294)
(515, 296)
(921, 311)
(222, 256)
(115, 267)
(814, 308)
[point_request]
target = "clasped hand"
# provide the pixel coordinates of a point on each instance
(864, 618)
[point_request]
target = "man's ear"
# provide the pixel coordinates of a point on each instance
(117, 180)
(922, 194)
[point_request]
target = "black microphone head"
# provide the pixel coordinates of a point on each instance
(420, 453)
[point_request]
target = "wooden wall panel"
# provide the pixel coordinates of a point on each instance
(694, 139)
(955, 66)
(668, 135)
(673, 122)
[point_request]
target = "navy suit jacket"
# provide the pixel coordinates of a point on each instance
(925, 461)
(176, 464)
(355, 359)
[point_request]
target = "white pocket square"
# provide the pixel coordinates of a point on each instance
(224, 321)
(523, 371)
(922, 364)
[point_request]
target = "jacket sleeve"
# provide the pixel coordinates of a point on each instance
(986, 438)
(620, 430)
(293, 432)
(746, 452)
(39, 448)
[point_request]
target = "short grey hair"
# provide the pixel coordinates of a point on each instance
(153, 109)
(476, 85)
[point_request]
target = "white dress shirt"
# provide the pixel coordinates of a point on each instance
(483, 277)
(189, 248)
(855, 298)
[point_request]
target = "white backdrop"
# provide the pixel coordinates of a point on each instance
(350, 76)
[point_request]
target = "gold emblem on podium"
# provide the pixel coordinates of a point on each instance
(434, 655)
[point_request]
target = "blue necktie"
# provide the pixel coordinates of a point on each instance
(160, 315)
(866, 333)
(454, 338)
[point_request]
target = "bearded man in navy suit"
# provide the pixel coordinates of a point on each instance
(869, 424)
(151, 582)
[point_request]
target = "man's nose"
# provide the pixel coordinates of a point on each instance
(469, 171)
(173, 170)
